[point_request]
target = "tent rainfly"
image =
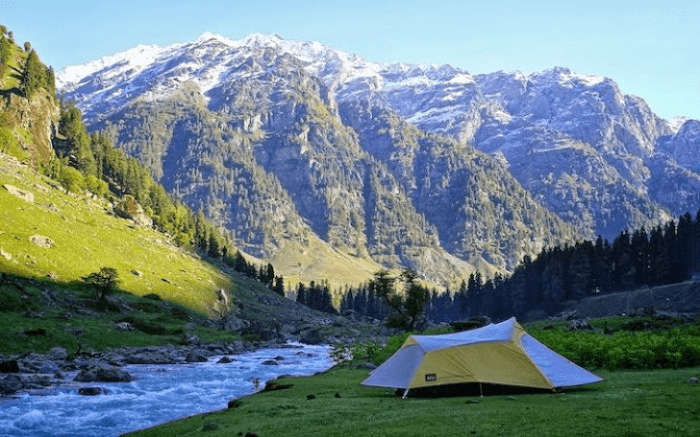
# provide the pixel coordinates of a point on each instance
(501, 353)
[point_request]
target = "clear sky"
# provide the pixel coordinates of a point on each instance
(651, 48)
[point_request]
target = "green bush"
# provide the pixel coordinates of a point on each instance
(672, 347)
(675, 347)
(71, 179)
(96, 186)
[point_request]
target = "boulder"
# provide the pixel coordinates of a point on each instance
(124, 326)
(9, 366)
(196, 356)
(129, 208)
(190, 339)
(103, 374)
(37, 381)
(149, 357)
(58, 354)
(234, 324)
(311, 336)
(11, 384)
(264, 330)
(270, 363)
(90, 391)
(366, 365)
(579, 325)
(22, 194)
(224, 360)
(42, 241)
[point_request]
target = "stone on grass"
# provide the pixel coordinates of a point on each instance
(693, 380)
(124, 326)
(17, 192)
(42, 241)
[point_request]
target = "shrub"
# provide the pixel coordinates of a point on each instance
(96, 186)
(71, 179)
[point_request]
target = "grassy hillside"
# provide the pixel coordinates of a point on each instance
(37, 315)
(86, 238)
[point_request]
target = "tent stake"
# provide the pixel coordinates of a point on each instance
(481, 391)
(405, 393)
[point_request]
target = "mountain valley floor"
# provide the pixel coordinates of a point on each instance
(626, 403)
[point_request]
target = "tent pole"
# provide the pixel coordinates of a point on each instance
(405, 393)
(481, 391)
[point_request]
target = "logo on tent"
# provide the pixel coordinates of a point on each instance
(430, 377)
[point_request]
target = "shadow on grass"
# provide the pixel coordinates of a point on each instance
(476, 389)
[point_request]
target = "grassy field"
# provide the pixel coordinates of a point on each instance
(86, 238)
(627, 403)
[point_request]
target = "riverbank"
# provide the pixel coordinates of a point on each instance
(639, 403)
(56, 368)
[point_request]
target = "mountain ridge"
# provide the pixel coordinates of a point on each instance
(583, 151)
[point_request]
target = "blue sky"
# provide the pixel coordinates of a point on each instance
(650, 48)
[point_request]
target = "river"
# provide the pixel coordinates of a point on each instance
(157, 394)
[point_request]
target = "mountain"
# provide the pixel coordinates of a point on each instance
(322, 161)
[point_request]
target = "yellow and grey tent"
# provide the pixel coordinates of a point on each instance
(501, 353)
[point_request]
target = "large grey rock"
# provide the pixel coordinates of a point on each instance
(17, 192)
(149, 357)
(90, 391)
(11, 384)
(103, 374)
(196, 356)
(58, 353)
(9, 366)
(311, 336)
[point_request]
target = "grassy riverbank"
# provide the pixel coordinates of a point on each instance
(627, 403)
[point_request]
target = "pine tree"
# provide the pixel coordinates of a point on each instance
(279, 285)
(33, 75)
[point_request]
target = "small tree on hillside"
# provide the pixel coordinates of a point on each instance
(408, 308)
(105, 282)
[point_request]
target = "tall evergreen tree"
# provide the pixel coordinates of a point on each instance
(33, 75)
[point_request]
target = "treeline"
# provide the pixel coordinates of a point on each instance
(364, 300)
(664, 255)
(316, 296)
(263, 273)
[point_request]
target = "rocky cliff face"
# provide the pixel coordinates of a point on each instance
(293, 141)
(33, 123)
